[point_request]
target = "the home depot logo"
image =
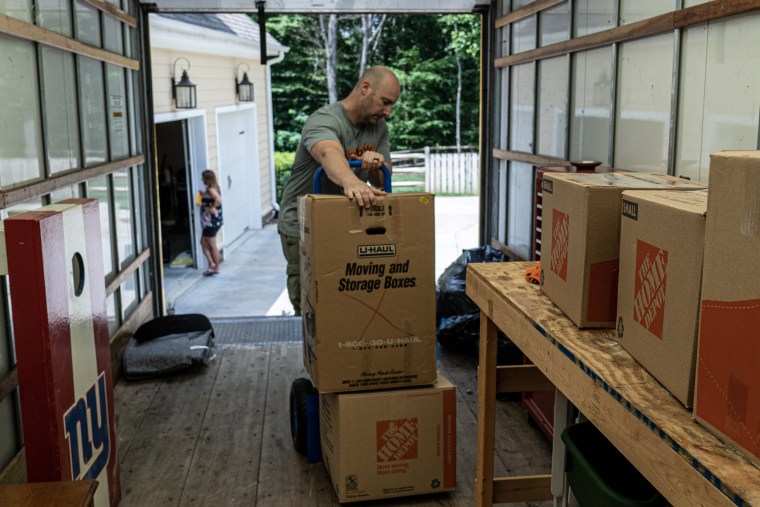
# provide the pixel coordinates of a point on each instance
(649, 289)
(397, 439)
(365, 251)
(560, 242)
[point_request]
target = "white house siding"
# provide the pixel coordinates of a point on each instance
(214, 78)
(214, 57)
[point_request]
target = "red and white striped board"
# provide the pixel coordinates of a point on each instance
(58, 294)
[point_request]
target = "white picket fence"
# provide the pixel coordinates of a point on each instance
(444, 171)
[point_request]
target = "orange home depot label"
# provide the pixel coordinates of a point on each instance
(649, 287)
(560, 242)
(397, 439)
(728, 383)
(602, 291)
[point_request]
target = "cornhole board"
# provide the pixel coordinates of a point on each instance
(55, 268)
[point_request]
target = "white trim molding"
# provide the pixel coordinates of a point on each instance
(175, 35)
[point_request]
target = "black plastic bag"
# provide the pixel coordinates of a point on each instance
(462, 334)
(450, 297)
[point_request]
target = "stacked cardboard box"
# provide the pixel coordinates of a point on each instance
(387, 419)
(727, 397)
(581, 232)
(661, 244)
(368, 291)
(384, 444)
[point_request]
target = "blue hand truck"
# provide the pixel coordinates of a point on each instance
(304, 398)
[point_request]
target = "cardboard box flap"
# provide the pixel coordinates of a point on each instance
(751, 156)
(626, 180)
(690, 201)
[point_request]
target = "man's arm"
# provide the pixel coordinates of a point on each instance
(330, 155)
(383, 152)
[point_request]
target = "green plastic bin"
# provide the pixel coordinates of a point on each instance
(600, 476)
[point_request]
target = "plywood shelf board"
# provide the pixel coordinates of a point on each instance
(680, 457)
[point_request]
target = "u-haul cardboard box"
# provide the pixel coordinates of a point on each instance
(368, 291)
(662, 235)
(391, 443)
(581, 232)
(727, 397)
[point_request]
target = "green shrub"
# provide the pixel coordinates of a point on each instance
(283, 163)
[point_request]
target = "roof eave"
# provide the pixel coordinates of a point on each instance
(175, 35)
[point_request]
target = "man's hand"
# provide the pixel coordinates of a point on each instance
(371, 160)
(329, 154)
(362, 193)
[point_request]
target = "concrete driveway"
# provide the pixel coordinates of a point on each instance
(252, 278)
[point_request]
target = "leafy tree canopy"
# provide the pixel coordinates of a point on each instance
(421, 49)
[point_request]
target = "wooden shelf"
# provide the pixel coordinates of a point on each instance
(686, 463)
(58, 494)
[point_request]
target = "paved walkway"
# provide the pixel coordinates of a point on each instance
(252, 278)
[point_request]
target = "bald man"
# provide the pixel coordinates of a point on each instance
(351, 129)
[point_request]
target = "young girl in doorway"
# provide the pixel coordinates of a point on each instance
(211, 220)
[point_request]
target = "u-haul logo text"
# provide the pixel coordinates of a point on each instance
(397, 439)
(649, 289)
(86, 423)
(376, 251)
(560, 243)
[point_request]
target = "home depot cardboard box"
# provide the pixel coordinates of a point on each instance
(391, 443)
(662, 235)
(368, 291)
(727, 397)
(581, 232)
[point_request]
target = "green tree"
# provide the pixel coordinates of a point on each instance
(418, 48)
(435, 58)
(464, 41)
(299, 84)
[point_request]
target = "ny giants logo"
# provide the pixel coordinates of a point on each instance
(649, 289)
(397, 439)
(89, 444)
(560, 242)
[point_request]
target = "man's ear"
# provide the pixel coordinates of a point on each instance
(365, 88)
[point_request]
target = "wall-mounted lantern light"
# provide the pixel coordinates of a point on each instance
(243, 88)
(183, 92)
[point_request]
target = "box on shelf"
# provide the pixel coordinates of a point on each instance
(368, 291)
(727, 397)
(662, 236)
(581, 231)
(392, 443)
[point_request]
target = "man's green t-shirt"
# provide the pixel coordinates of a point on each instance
(327, 123)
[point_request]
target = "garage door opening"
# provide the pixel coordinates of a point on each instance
(233, 139)
(175, 208)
